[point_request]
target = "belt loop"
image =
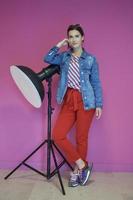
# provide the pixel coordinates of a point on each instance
(69, 92)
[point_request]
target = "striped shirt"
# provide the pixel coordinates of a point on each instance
(73, 73)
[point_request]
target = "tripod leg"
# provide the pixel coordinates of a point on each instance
(13, 170)
(58, 172)
(25, 160)
(63, 156)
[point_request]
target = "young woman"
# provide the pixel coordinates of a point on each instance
(80, 93)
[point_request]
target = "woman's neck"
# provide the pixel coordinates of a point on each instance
(77, 52)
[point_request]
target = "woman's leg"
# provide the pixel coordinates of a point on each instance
(64, 123)
(83, 123)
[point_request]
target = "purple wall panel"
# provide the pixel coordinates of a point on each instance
(28, 29)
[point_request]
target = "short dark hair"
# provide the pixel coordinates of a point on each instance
(75, 27)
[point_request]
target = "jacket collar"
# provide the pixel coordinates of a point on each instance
(83, 54)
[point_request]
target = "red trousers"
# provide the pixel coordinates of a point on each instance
(72, 112)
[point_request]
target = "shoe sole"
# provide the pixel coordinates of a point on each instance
(73, 185)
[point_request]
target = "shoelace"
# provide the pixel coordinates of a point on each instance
(81, 174)
(73, 176)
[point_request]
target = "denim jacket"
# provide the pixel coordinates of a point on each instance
(90, 89)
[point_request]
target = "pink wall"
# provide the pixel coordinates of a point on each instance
(27, 30)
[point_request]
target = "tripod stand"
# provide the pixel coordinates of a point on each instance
(50, 149)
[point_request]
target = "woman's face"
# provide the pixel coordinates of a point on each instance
(75, 39)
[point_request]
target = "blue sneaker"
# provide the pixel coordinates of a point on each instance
(85, 174)
(74, 180)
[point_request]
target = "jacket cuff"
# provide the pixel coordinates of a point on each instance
(99, 106)
(55, 48)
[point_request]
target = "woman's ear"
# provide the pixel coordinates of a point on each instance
(82, 38)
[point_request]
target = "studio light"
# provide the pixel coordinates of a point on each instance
(30, 83)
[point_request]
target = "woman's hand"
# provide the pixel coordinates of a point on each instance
(62, 43)
(98, 112)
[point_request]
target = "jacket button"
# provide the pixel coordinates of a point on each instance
(82, 81)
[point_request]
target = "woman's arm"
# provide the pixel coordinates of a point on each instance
(96, 84)
(53, 57)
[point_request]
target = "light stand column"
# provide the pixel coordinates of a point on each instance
(50, 149)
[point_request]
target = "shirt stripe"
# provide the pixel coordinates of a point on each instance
(73, 73)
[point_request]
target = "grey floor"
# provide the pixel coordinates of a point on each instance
(27, 185)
